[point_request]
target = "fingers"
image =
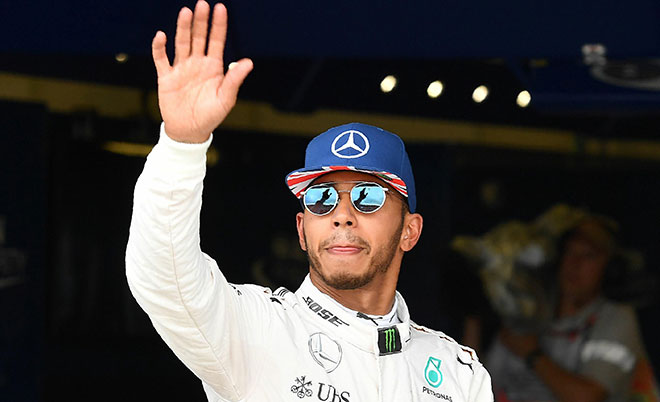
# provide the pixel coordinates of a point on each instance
(218, 32)
(159, 55)
(182, 38)
(192, 29)
(200, 28)
(233, 80)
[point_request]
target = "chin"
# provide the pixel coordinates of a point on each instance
(344, 280)
(351, 272)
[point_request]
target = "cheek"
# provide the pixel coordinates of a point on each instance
(383, 229)
(595, 270)
(585, 274)
(312, 231)
(572, 272)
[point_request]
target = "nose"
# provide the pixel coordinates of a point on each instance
(344, 213)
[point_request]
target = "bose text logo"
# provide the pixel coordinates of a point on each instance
(323, 313)
(345, 146)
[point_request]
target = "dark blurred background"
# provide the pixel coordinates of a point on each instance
(78, 113)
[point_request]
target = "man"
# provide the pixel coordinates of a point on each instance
(590, 350)
(345, 335)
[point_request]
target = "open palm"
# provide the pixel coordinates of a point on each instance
(194, 94)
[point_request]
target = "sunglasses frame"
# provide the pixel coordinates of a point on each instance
(331, 184)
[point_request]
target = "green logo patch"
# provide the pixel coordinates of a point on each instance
(432, 372)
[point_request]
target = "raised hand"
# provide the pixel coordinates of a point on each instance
(194, 94)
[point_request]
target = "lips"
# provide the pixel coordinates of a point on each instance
(344, 249)
(344, 244)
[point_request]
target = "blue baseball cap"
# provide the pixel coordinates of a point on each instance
(361, 148)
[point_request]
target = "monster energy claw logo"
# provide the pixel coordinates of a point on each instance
(390, 340)
(432, 372)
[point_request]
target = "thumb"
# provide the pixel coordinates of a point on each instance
(234, 79)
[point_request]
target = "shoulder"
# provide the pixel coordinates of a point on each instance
(615, 328)
(457, 363)
(620, 311)
(440, 340)
(616, 319)
(249, 288)
(613, 341)
(261, 299)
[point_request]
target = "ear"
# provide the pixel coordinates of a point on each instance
(412, 230)
(300, 220)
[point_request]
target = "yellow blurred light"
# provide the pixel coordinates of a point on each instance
(480, 93)
(434, 89)
(121, 57)
(523, 99)
(388, 83)
(232, 65)
(142, 150)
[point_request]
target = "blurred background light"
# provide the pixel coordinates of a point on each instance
(121, 57)
(480, 93)
(523, 99)
(388, 83)
(435, 89)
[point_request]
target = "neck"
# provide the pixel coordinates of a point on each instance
(375, 298)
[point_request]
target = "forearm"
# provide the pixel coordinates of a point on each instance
(565, 385)
(163, 255)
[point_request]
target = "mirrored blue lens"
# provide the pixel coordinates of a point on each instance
(320, 200)
(368, 197)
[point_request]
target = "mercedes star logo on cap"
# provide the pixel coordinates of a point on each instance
(349, 149)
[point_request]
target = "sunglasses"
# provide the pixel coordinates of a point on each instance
(367, 197)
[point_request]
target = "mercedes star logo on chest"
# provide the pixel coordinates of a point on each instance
(325, 351)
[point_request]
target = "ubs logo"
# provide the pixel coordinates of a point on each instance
(326, 392)
(302, 388)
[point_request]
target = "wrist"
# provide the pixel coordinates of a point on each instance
(532, 357)
(177, 134)
(182, 144)
(176, 158)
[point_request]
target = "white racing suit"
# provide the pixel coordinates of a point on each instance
(247, 343)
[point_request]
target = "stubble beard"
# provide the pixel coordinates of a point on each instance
(379, 263)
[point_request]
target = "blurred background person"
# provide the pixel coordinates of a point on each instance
(591, 348)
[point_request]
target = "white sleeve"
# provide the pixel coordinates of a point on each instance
(213, 328)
